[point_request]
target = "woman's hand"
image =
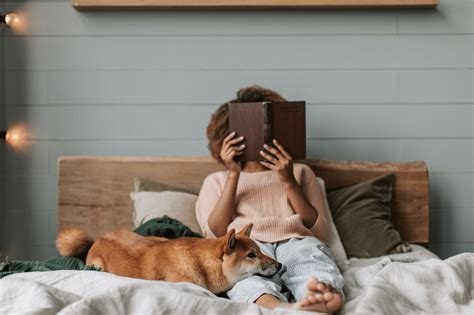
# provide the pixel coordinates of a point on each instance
(280, 161)
(229, 150)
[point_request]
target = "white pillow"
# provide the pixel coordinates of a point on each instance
(335, 244)
(177, 205)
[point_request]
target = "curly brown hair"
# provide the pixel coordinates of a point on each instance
(218, 127)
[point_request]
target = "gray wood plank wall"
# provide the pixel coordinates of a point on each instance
(381, 85)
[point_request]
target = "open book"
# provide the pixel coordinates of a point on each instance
(261, 122)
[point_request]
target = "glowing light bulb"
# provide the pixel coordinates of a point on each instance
(12, 136)
(16, 137)
(17, 21)
(11, 19)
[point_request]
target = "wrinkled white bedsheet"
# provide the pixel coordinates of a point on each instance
(412, 283)
(416, 282)
(93, 292)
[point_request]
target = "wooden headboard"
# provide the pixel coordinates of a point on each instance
(94, 191)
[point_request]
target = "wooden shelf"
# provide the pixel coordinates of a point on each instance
(247, 4)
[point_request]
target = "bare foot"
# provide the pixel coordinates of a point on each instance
(321, 297)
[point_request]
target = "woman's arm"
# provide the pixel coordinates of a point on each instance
(313, 192)
(308, 213)
(282, 162)
(222, 214)
(306, 199)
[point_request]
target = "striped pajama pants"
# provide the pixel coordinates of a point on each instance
(301, 259)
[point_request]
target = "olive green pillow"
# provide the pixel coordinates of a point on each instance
(143, 184)
(362, 216)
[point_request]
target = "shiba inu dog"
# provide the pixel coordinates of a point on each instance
(215, 264)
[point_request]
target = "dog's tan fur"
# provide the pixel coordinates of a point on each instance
(74, 242)
(216, 264)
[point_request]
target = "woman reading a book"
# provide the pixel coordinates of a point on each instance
(284, 202)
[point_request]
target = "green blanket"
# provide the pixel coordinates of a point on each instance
(163, 227)
(9, 267)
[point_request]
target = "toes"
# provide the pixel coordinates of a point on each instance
(335, 303)
(312, 298)
(320, 302)
(312, 284)
(329, 288)
(319, 297)
(328, 296)
(315, 285)
(304, 302)
(321, 286)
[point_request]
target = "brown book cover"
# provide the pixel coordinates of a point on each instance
(261, 122)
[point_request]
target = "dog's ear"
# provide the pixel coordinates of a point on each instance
(230, 242)
(246, 230)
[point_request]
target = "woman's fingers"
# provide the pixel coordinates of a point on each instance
(236, 140)
(269, 157)
(232, 151)
(282, 150)
(241, 147)
(229, 136)
(274, 151)
(268, 165)
(236, 148)
(228, 141)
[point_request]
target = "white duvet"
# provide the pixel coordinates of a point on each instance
(415, 282)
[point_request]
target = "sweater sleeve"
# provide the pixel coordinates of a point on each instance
(208, 197)
(315, 195)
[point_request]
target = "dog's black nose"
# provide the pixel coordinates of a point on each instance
(278, 266)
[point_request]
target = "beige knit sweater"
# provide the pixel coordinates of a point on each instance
(262, 200)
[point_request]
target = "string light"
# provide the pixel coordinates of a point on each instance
(10, 136)
(16, 137)
(9, 19)
(17, 22)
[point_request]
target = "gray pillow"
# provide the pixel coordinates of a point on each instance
(143, 184)
(362, 213)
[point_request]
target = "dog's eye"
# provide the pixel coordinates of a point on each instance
(252, 255)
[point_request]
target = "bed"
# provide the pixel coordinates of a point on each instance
(94, 195)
